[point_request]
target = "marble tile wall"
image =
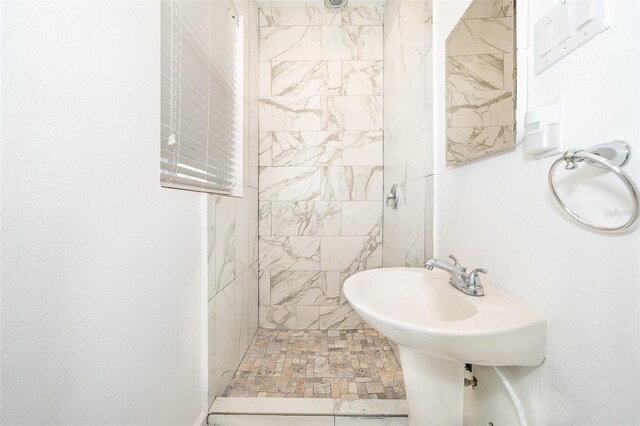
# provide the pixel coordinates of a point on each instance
(232, 238)
(480, 81)
(320, 158)
(408, 140)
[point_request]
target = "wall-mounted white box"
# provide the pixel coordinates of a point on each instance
(543, 135)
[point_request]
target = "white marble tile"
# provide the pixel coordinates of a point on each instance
(353, 183)
(341, 317)
(390, 13)
(264, 148)
(305, 148)
(370, 407)
(415, 192)
(393, 231)
(254, 222)
(475, 72)
(225, 348)
(354, 253)
(286, 43)
(265, 79)
(241, 338)
(306, 218)
(241, 232)
(353, 113)
(291, 183)
(306, 288)
(334, 284)
(419, 122)
(468, 143)
(395, 153)
(212, 275)
(288, 420)
(271, 406)
(362, 15)
(482, 108)
(363, 148)
(357, 43)
(274, 16)
(211, 351)
(253, 145)
(479, 36)
(264, 287)
(307, 78)
(362, 77)
(361, 217)
(334, 77)
(264, 218)
(414, 29)
(225, 251)
(253, 301)
(428, 233)
(289, 317)
(291, 113)
(290, 253)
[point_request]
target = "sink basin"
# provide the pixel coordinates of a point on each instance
(438, 329)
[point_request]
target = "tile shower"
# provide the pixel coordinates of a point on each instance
(321, 157)
(335, 95)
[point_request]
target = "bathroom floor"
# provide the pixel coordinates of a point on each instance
(345, 364)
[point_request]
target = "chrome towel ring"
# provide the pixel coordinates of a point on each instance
(611, 156)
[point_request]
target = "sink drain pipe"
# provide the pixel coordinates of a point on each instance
(514, 397)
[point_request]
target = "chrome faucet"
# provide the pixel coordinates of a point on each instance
(467, 283)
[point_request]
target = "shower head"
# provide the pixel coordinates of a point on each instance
(335, 4)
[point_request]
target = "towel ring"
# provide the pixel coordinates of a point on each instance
(595, 158)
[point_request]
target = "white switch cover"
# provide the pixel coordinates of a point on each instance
(568, 26)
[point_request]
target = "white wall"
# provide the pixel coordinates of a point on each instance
(102, 270)
(498, 213)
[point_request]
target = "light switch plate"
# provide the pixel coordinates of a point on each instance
(568, 26)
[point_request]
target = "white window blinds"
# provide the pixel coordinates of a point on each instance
(201, 121)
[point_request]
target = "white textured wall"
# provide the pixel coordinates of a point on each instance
(102, 270)
(498, 213)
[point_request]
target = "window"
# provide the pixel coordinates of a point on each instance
(201, 111)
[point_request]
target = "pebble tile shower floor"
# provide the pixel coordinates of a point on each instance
(346, 364)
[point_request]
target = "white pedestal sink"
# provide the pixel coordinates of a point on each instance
(438, 329)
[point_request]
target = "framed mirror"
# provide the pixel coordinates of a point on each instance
(481, 81)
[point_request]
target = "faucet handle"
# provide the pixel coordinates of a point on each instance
(473, 279)
(456, 263)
